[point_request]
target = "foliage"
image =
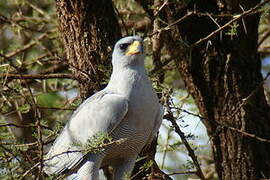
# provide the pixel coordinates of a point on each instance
(96, 143)
(30, 45)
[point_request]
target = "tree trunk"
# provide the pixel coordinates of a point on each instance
(224, 79)
(89, 30)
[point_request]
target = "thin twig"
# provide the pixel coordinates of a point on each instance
(37, 9)
(173, 24)
(160, 8)
(121, 19)
(264, 37)
(16, 22)
(188, 112)
(245, 100)
(246, 133)
(37, 116)
(22, 126)
(56, 108)
(87, 150)
(10, 152)
(165, 148)
(191, 152)
(29, 170)
(29, 45)
(236, 18)
(241, 104)
(36, 76)
(75, 151)
(159, 67)
(27, 144)
(182, 172)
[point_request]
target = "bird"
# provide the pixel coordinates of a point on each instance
(126, 109)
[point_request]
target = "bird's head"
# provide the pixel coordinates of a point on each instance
(128, 51)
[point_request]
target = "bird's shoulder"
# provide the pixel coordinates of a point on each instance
(100, 113)
(103, 97)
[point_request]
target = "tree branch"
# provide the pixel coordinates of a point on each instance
(191, 153)
(29, 45)
(36, 76)
(237, 17)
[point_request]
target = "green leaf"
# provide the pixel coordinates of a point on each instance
(25, 108)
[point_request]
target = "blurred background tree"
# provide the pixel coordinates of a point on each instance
(204, 60)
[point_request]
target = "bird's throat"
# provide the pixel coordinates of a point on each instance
(128, 81)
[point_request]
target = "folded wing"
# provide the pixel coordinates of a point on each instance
(100, 113)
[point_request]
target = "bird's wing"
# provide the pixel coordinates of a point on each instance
(157, 124)
(158, 120)
(99, 113)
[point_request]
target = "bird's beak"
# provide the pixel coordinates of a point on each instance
(134, 48)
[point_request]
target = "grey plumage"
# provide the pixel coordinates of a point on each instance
(127, 108)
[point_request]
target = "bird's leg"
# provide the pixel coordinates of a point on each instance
(89, 169)
(122, 171)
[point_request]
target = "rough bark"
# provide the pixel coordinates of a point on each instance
(225, 80)
(88, 29)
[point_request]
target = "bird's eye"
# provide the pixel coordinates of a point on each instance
(124, 46)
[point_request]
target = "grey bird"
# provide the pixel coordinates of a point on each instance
(127, 108)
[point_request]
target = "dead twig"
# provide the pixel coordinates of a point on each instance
(37, 116)
(22, 126)
(182, 172)
(245, 133)
(191, 152)
(15, 21)
(236, 18)
(36, 76)
(57, 108)
(29, 45)
(160, 8)
(172, 24)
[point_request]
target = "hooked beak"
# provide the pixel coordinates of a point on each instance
(134, 48)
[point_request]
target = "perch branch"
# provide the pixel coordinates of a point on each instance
(191, 152)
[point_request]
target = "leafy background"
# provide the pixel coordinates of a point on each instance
(30, 44)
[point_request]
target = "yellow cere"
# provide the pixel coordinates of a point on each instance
(133, 48)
